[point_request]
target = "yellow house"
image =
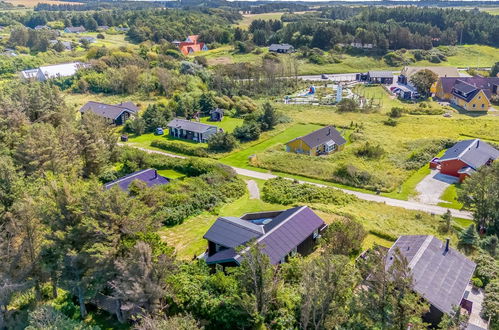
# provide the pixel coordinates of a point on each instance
(321, 142)
(469, 93)
(441, 71)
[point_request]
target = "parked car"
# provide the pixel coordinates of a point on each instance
(324, 76)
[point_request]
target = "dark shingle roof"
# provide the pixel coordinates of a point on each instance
(149, 176)
(439, 276)
(108, 110)
(322, 136)
(278, 238)
(380, 74)
(484, 83)
(189, 125)
(475, 153)
(232, 232)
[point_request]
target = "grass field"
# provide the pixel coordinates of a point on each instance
(466, 56)
(228, 124)
(247, 19)
(171, 174)
(240, 159)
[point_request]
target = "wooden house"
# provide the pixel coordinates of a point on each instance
(191, 130)
(469, 93)
(321, 142)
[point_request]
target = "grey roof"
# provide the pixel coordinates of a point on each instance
(275, 47)
(150, 177)
(190, 125)
(439, 276)
(475, 153)
(464, 87)
(73, 29)
(322, 136)
(380, 74)
(484, 83)
(232, 232)
(108, 110)
(287, 230)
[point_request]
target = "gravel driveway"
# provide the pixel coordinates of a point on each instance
(254, 192)
(432, 187)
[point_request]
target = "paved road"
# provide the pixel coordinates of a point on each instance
(410, 205)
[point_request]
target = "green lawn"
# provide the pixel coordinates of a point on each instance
(171, 174)
(187, 238)
(227, 124)
(247, 19)
(240, 159)
(408, 188)
(145, 140)
(371, 239)
(450, 197)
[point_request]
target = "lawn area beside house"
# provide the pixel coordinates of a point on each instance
(450, 197)
(228, 124)
(171, 174)
(144, 141)
(401, 144)
(240, 159)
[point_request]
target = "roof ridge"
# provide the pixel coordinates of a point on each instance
(240, 225)
(421, 250)
(131, 175)
(474, 141)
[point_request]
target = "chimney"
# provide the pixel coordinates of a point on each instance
(155, 174)
(329, 131)
(447, 241)
(477, 143)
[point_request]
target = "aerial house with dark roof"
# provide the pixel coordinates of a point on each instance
(191, 130)
(465, 158)
(376, 77)
(150, 177)
(321, 142)
(440, 274)
(116, 114)
(469, 93)
(280, 234)
(281, 48)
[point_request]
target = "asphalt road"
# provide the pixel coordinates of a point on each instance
(409, 205)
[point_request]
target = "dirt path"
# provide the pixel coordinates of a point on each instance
(254, 192)
(410, 205)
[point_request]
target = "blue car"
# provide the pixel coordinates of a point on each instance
(159, 131)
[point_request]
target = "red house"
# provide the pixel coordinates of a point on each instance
(191, 45)
(465, 157)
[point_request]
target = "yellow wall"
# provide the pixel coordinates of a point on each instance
(475, 104)
(298, 145)
(439, 92)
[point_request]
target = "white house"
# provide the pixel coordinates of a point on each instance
(44, 73)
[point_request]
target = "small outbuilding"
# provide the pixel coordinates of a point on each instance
(150, 177)
(281, 48)
(216, 114)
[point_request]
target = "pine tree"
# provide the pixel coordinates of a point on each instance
(468, 239)
(270, 117)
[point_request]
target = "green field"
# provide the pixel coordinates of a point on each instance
(240, 159)
(466, 56)
(450, 197)
(247, 19)
(228, 124)
(171, 174)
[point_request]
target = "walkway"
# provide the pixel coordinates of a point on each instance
(410, 205)
(254, 192)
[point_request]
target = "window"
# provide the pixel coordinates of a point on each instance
(294, 251)
(483, 105)
(474, 105)
(316, 233)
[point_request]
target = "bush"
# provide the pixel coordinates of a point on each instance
(390, 122)
(222, 142)
(100, 36)
(347, 105)
(284, 191)
(477, 282)
(248, 131)
(370, 151)
(179, 147)
(396, 112)
(424, 151)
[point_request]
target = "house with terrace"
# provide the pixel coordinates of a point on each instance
(324, 141)
(279, 235)
(149, 177)
(441, 274)
(116, 114)
(191, 130)
(465, 158)
(469, 93)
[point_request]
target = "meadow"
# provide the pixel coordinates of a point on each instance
(465, 56)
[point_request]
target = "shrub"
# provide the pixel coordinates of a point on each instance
(390, 122)
(477, 282)
(351, 175)
(424, 151)
(179, 147)
(396, 112)
(284, 191)
(222, 142)
(100, 36)
(370, 151)
(347, 105)
(248, 131)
